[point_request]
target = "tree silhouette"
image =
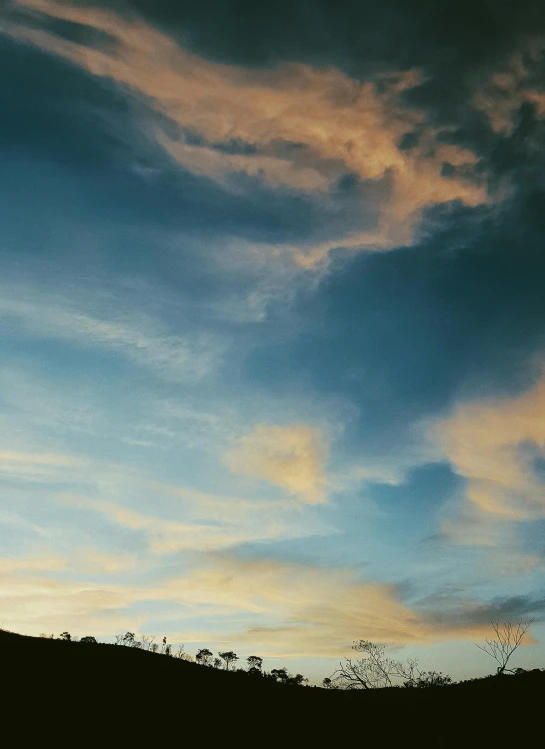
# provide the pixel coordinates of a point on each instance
(89, 639)
(147, 642)
(65, 636)
(229, 657)
(182, 655)
(204, 657)
(297, 680)
(255, 664)
(375, 670)
(509, 636)
(128, 639)
(280, 674)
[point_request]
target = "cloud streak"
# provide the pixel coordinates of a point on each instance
(201, 522)
(294, 127)
(305, 611)
(38, 467)
(138, 338)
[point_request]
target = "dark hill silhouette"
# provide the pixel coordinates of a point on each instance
(84, 694)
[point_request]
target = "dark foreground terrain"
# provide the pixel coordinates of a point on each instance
(58, 693)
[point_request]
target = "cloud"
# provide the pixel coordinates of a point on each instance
(468, 525)
(40, 604)
(293, 457)
(504, 563)
(295, 610)
(137, 337)
(294, 127)
(32, 564)
(95, 560)
(210, 522)
(447, 611)
(495, 443)
(519, 80)
(33, 466)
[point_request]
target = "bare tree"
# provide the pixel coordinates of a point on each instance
(374, 670)
(509, 636)
(182, 655)
(128, 639)
(147, 641)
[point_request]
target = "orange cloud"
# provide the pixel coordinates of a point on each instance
(297, 610)
(493, 443)
(292, 457)
(39, 604)
(501, 96)
(338, 124)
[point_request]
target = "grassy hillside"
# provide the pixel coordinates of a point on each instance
(83, 694)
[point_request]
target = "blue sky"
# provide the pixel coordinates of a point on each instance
(273, 325)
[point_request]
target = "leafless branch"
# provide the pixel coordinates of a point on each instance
(509, 636)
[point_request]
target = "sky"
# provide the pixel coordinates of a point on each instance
(272, 373)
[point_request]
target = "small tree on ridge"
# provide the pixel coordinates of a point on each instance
(229, 657)
(509, 636)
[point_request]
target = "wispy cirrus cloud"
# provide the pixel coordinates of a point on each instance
(203, 522)
(297, 610)
(39, 467)
(32, 564)
(136, 337)
(294, 127)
